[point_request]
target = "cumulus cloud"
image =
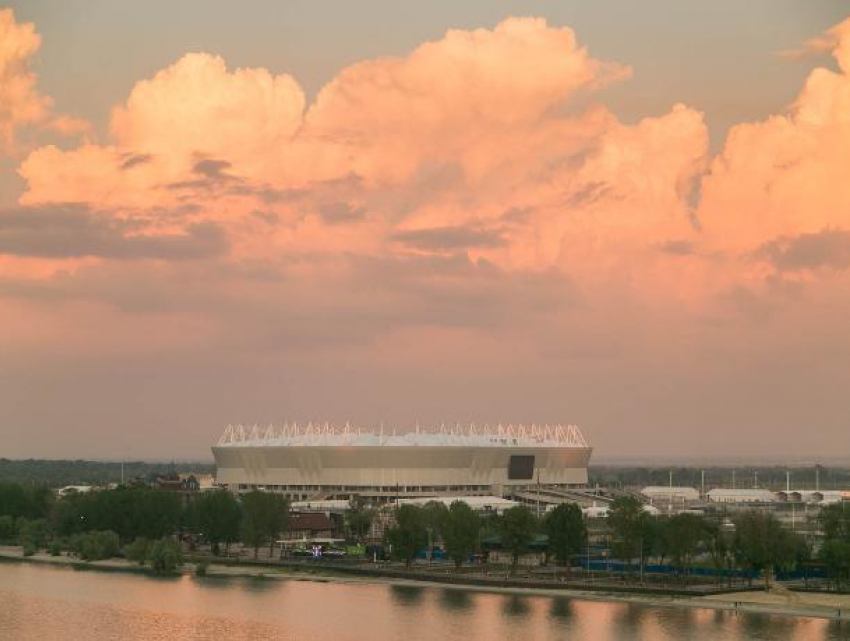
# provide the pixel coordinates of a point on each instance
(488, 146)
(419, 151)
(21, 103)
(471, 206)
(785, 177)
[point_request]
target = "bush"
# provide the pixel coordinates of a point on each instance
(29, 547)
(95, 546)
(165, 556)
(139, 550)
(202, 568)
(55, 548)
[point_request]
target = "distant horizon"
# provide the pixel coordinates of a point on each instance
(691, 462)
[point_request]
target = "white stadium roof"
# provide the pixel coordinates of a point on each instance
(294, 435)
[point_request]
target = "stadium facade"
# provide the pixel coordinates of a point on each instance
(318, 462)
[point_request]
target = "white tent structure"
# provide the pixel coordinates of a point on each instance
(726, 495)
(670, 494)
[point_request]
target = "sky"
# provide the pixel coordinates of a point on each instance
(634, 217)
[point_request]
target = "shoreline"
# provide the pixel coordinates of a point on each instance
(794, 604)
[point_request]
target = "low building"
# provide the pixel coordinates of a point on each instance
(811, 496)
(310, 525)
(670, 494)
(596, 512)
(73, 489)
(335, 506)
(726, 495)
(602, 511)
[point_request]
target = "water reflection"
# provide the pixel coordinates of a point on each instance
(515, 605)
(215, 582)
(455, 599)
(836, 629)
(49, 603)
(677, 619)
(561, 608)
(261, 584)
(628, 618)
(406, 594)
(758, 626)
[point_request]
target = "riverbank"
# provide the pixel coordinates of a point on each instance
(797, 604)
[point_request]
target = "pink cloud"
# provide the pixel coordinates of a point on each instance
(21, 103)
(785, 176)
(507, 113)
(488, 146)
(466, 218)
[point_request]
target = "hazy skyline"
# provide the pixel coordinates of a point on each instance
(630, 216)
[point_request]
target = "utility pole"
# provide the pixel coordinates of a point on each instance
(733, 479)
(670, 504)
(702, 483)
(538, 492)
(787, 480)
(756, 480)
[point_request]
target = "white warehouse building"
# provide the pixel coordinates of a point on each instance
(670, 494)
(313, 462)
(726, 495)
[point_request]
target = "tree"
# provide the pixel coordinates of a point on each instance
(95, 546)
(130, 512)
(660, 539)
(33, 531)
(165, 556)
(835, 550)
(434, 513)
(685, 532)
(628, 522)
(138, 550)
(8, 528)
(30, 502)
(460, 527)
(718, 546)
(277, 519)
(253, 520)
(409, 534)
(264, 516)
(566, 530)
(517, 527)
(761, 544)
(217, 516)
(358, 518)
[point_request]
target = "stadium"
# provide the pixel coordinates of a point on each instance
(322, 462)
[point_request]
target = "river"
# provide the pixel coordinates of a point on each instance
(46, 603)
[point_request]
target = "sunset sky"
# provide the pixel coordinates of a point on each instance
(633, 216)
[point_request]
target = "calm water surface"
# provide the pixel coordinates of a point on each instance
(45, 603)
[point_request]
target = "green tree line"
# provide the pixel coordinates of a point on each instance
(144, 523)
(462, 530)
